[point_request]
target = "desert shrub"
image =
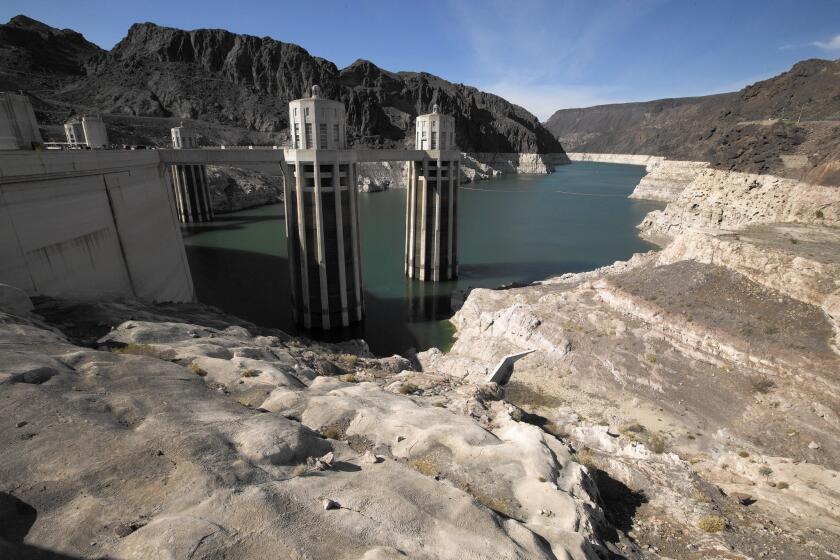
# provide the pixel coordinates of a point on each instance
(138, 350)
(743, 454)
(407, 388)
(525, 396)
(299, 470)
(585, 458)
(763, 385)
(699, 496)
(425, 465)
(332, 432)
(764, 470)
(656, 443)
(348, 378)
(250, 373)
(711, 524)
(819, 214)
(650, 358)
(782, 485)
(348, 361)
(194, 368)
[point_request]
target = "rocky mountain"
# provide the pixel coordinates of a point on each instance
(34, 55)
(215, 77)
(788, 124)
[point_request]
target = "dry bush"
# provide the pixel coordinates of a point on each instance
(332, 432)
(407, 388)
(425, 465)
(711, 524)
(656, 443)
(250, 373)
(585, 458)
(194, 368)
(139, 350)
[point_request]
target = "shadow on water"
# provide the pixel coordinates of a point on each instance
(256, 287)
(524, 272)
(229, 223)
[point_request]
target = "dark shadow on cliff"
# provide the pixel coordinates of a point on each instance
(21, 551)
(619, 503)
(16, 518)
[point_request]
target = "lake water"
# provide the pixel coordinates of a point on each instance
(515, 229)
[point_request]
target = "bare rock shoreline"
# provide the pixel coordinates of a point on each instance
(704, 376)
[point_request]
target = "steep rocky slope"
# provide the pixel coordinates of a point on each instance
(788, 125)
(214, 76)
(702, 377)
(35, 55)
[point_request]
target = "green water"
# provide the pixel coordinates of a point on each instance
(515, 229)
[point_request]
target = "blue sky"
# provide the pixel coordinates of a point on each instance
(541, 54)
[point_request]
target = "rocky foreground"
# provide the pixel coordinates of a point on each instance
(703, 379)
(177, 432)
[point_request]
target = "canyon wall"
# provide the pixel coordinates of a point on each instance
(786, 125)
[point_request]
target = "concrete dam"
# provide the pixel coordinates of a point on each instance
(82, 222)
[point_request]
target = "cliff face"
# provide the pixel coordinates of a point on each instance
(702, 376)
(214, 76)
(787, 125)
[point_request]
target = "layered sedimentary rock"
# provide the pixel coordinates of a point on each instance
(709, 364)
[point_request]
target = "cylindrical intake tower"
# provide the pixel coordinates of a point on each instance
(431, 223)
(322, 224)
(192, 194)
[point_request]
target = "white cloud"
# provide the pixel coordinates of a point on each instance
(831, 45)
(543, 99)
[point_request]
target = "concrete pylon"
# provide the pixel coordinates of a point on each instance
(322, 223)
(192, 194)
(431, 230)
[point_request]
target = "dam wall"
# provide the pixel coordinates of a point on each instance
(91, 224)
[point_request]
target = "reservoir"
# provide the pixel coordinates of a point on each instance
(512, 230)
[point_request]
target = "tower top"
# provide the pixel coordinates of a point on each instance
(316, 91)
(435, 108)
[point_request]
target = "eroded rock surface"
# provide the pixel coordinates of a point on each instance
(175, 432)
(701, 381)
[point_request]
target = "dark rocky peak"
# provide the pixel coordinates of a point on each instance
(30, 47)
(364, 73)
